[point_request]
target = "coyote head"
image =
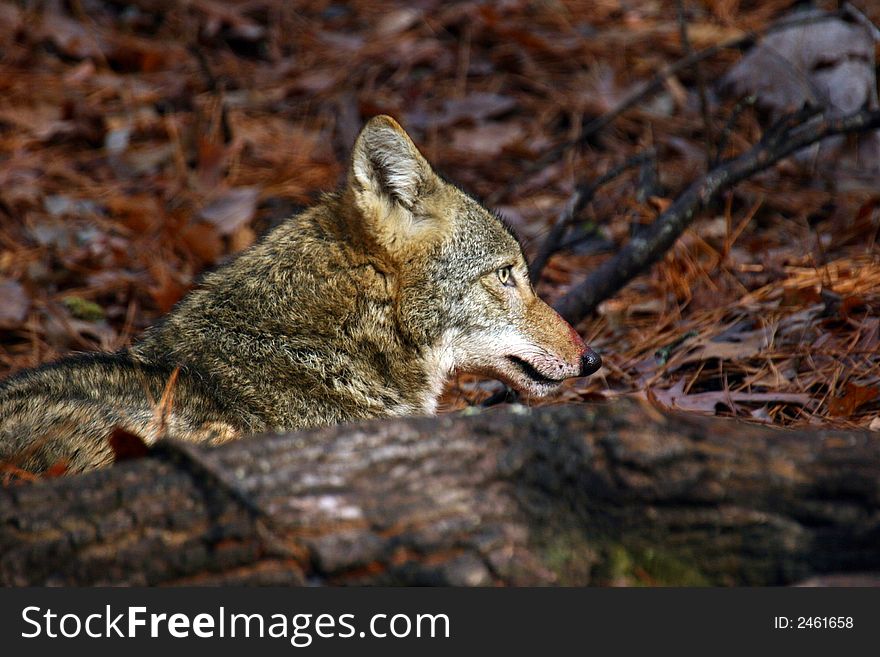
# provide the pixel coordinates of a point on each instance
(462, 284)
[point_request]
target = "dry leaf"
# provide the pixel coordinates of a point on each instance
(11, 473)
(57, 469)
(827, 62)
(487, 139)
(127, 445)
(740, 346)
(707, 402)
(231, 209)
(204, 241)
(474, 107)
(72, 37)
(396, 21)
(853, 397)
(166, 291)
(14, 304)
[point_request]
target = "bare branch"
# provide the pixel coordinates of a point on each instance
(579, 199)
(729, 125)
(785, 138)
(708, 136)
(651, 87)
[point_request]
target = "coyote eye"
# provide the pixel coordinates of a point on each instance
(505, 276)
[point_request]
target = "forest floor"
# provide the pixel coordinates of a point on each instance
(143, 143)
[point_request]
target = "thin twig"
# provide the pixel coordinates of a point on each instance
(645, 249)
(730, 124)
(217, 87)
(579, 199)
(779, 130)
(851, 11)
(651, 87)
(708, 136)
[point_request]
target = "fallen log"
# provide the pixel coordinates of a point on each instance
(573, 494)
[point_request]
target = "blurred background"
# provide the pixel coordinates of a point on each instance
(142, 143)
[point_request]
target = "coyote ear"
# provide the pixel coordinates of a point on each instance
(387, 165)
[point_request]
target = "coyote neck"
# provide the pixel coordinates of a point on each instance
(315, 338)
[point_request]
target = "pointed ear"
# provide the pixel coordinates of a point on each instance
(387, 165)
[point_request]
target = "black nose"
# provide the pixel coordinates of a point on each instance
(590, 362)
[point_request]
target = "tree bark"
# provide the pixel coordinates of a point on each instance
(574, 494)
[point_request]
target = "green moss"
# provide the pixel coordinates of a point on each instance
(84, 309)
(648, 566)
(578, 561)
(620, 564)
(671, 570)
(570, 557)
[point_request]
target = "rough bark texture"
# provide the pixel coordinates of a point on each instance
(578, 494)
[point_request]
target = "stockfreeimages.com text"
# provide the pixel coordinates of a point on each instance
(300, 629)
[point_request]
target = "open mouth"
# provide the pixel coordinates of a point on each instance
(531, 372)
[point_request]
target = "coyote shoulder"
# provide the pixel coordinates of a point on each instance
(359, 307)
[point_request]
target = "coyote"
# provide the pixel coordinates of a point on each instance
(359, 307)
